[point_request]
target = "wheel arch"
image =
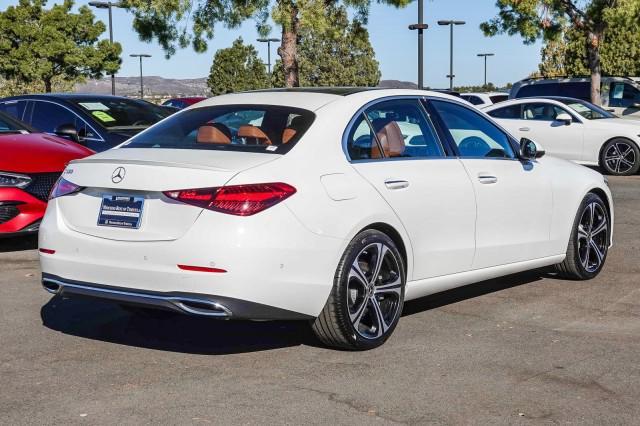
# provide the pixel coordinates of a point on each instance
(607, 203)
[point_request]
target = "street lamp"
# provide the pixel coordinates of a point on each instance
(451, 24)
(140, 55)
(420, 26)
(268, 41)
(108, 5)
(485, 55)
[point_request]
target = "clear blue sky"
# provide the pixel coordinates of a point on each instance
(394, 44)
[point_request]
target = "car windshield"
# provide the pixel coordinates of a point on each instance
(587, 110)
(251, 128)
(11, 125)
(119, 113)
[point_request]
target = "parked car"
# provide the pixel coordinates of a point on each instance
(30, 164)
(182, 103)
(620, 95)
(482, 100)
(322, 210)
(99, 122)
(574, 129)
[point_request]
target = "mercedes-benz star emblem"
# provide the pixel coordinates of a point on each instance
(118, 175)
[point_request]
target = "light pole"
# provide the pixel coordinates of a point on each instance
(141, 55)
(420, 26)
(108, 5)
(268, 41)
(485, 55)
(451, 23)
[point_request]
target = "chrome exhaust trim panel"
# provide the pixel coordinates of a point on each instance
(191, 305)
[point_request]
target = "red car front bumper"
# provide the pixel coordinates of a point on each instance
(20, 212)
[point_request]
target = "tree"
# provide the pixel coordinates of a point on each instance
(620, 50)
(182, 22)
(548, 19)
(339, 54)
(40, 46)
(237, 68)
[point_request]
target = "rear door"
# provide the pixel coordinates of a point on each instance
(514, 198)
(394, 146)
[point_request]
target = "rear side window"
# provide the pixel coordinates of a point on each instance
(393, 129)
(496, 99)
(14, 108)
(472, 99)
(252, 128)
(623, 95)
(541, 89)
(511, 112)
(475, 136)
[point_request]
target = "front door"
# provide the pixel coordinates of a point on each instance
(514, 198)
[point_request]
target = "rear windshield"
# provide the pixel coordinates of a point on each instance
(498, 98)
(117, 113)
(253, 128)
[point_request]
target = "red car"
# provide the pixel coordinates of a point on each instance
(30, 164)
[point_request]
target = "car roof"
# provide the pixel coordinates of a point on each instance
(67, 96)
(316, 97)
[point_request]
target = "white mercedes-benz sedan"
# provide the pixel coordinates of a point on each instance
(327, 205)
(575, 130)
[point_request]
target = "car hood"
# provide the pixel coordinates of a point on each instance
(38, 153)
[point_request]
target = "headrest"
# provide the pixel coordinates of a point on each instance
(390, 137)
(213, 133)
(253, 132)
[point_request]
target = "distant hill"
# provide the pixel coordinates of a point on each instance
(397, 84)
(153, 86)
(161, 87)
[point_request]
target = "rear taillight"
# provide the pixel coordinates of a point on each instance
(64, 187)
(239, 200)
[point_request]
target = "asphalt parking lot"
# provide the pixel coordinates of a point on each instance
(525, 349)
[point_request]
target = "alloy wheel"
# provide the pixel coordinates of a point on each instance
(374, 291)
(620, 157)
(593, 237)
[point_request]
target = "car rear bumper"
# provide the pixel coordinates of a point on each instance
(269, 260)
(185, 303)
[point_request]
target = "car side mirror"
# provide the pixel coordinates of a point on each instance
(564, 118)
(529, 150)
(68, 131)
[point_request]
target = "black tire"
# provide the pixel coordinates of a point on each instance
(583, 262)
(620, 157)
(351, 317)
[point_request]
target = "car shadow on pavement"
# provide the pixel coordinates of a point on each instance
(100, 320)
(20, 243)
(105, 321)
(471, 291)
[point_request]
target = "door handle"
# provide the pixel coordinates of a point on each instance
(486, 178)
(524, 129)
(396, 183)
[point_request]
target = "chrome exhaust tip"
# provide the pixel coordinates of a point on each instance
(51, 286)
(201, 307)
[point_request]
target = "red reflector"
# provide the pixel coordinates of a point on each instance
(46, 251)
(201, 269)
(239, 200)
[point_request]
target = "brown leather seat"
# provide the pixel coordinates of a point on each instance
(292, 129)
(213, 133)
(253, 135)
(390, 137)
